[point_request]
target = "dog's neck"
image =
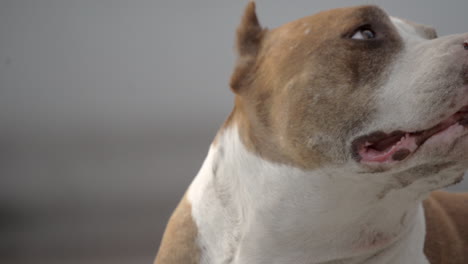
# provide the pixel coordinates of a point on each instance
(250, 210)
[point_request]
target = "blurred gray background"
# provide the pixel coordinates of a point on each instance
(107, 109)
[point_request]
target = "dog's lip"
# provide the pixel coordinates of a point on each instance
(383, 148)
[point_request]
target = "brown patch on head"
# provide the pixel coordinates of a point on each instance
(179, 241)
(308, 86)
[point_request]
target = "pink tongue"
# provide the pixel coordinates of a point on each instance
(396, 152)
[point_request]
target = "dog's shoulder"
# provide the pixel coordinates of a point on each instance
(447, 227)
(178, 244)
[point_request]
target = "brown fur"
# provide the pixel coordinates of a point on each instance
(447, 228)
(286, 78)
(179, 241)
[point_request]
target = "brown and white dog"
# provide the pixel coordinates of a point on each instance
(344, 123)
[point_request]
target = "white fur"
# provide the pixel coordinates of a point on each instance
(422, 75)
(255, 211)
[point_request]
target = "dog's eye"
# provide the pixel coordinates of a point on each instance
(364, 34)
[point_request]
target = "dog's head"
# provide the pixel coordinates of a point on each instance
(353, 88)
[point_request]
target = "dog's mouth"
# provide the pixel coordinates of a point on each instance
(380, 147)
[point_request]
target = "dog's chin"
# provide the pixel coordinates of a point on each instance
(447, 139)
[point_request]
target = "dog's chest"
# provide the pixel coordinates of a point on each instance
(262, 213)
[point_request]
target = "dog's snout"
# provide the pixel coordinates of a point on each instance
(465, 44)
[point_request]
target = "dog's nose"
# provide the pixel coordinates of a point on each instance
(465, 44)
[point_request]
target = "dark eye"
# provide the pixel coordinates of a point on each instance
(364, 34)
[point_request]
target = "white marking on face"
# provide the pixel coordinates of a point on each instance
(421, 82)
(423, 88)
(406, 30)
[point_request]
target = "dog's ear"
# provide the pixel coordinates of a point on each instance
(249, 38)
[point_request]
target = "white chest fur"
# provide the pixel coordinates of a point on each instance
(249, 210)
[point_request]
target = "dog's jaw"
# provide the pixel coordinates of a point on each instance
(250, 210)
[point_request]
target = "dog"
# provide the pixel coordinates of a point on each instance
(345, 124)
